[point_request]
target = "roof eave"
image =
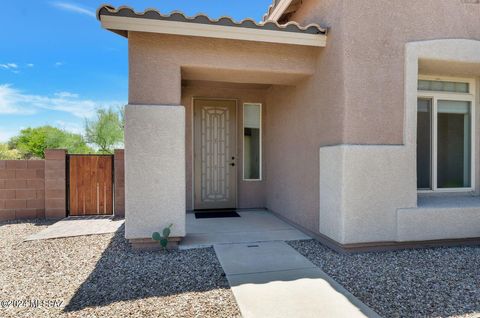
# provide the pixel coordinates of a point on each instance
(122, 25)
(275, 11)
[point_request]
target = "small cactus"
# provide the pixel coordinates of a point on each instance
(163, 238)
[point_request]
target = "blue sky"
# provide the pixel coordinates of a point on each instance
(57, 65)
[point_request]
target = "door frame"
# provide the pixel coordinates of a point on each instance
(192, 123)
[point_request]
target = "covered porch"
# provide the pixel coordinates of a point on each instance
(251, 227)
(203, 117)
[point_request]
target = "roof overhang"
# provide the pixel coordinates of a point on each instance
(120, 24)
(277, 10)
(125, 20)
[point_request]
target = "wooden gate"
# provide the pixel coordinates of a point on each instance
(90, 185)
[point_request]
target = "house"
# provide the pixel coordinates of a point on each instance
(355, 120)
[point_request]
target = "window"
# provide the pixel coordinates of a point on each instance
(252, 142)
(445, 126)
(443, 86)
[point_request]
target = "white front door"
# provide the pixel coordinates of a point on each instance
(215, 169)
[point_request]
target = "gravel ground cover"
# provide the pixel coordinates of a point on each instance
(100, 276)
(441, 282)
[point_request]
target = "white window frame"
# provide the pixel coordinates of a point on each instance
(261, 143)
(435, 96)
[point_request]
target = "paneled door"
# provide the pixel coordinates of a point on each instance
(215, 164)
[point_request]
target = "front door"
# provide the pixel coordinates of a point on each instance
(215, 154)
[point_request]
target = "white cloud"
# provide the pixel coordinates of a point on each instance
(30, 65)
(9, 66)
(72, 7)
(66, 95)
(58, 64)
(13, 101)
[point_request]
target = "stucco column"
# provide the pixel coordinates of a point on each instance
(154, 172)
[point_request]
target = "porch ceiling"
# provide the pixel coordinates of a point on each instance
(241, 76)
(125, 19)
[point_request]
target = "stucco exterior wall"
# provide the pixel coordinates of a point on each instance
(371, 196)
(374, 34)
(157, 66)
(429, 224)
(301, 118)
(250, 194)
(322, 106)
(376, 55)
(158, 63)
(361, 188)
(154, 170)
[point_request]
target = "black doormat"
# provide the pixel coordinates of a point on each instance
(216, 215)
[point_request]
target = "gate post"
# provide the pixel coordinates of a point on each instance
(55, 183)
(119, 182)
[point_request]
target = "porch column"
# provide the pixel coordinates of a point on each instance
(154, 173)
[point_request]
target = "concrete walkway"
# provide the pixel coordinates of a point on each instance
(251, 226)
(78, 226)
(272, 279)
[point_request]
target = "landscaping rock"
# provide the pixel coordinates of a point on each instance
(437, 282)
(101, 276)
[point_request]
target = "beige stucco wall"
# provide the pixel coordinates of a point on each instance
(438, 224)
(365, 58)
(302, 118)
(350, 93)
(361, 188)
(154, 170)
(374, 34)
(368, 192)
(158, 63)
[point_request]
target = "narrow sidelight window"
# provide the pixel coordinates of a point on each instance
(424, 144)
(252, 138)
(445, 140)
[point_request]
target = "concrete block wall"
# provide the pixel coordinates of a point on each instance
(32, 189)
(22, 189)
(119, 179)
(55, 184)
